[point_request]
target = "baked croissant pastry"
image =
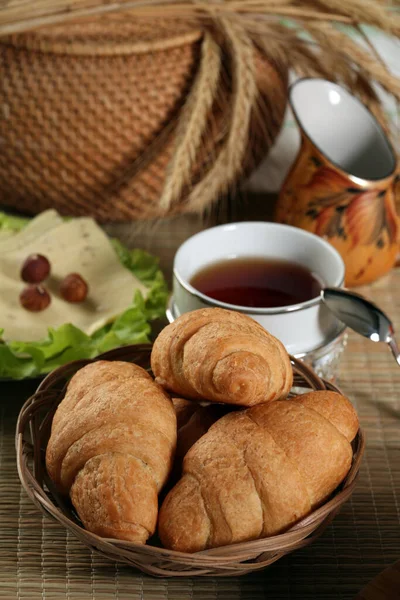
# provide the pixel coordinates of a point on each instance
(223, 356)
(111, 448)
(94, 374)
(257, 472)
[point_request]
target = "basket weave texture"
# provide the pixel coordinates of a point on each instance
(33, 430)
(132, 119)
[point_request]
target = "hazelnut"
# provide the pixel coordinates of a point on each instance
(35, 269)
(74, 288)
(35, 298)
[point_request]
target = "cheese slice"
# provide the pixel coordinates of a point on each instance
(6, 234)
(35, 228)
(76, 246)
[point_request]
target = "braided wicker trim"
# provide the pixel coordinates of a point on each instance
(102, 47)
(108, 36)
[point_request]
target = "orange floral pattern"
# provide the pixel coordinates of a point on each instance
(360, 221)
(366, 215)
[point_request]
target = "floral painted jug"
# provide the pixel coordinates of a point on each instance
(343, 183)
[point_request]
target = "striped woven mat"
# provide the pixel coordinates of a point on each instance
(38, 559)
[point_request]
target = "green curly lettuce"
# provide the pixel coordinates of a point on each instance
(19, 360)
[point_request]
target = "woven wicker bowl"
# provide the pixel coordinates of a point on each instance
(91, 112)
(33, 430)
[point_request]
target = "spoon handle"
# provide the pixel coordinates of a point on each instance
(395, 349)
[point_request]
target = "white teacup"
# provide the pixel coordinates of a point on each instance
(301, 327)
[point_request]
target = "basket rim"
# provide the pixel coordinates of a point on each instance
(225, 557)
(37, 41)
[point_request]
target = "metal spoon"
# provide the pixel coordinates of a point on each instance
(362, 316)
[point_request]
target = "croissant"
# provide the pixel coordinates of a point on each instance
(223, 356)
(257, 472)
(94, 374)
(193, 421)
(111, 448)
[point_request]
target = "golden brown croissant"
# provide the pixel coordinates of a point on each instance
(257, 472)
(92, 375)
(223, 356)
(111, 447)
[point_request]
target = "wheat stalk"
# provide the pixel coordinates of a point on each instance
(319, 17)
(192, 123)
(347, 50)
(229, 159)
(15, 14)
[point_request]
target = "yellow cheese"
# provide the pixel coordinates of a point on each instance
(35, 228)
(6, 234)
(76, 246)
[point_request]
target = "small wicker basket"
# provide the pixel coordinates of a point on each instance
(33, 429)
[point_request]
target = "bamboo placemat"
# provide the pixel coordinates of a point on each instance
(384, 585)
(38, 559)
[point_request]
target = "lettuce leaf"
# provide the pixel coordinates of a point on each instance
(19, 360)
(12, 223)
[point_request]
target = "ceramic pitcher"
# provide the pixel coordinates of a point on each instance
(344, 180)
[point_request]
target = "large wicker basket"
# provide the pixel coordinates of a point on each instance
(33, 430)
(129, 119)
